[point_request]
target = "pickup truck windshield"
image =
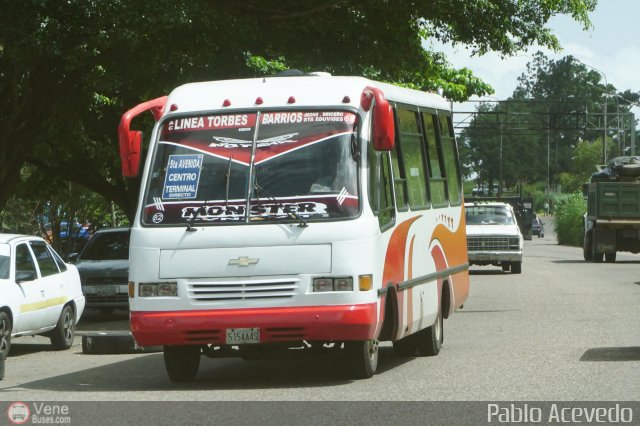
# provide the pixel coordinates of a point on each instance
(301, 165)
(489, 215)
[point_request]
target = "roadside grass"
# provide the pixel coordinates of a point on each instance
(569, 210)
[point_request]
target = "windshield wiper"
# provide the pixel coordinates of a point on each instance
(227, 177)
(301, 222)
(202, 209)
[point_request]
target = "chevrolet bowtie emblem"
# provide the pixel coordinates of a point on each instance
(243, 261)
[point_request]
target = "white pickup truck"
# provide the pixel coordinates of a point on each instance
(493, 236)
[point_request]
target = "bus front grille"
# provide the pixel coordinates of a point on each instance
(235, 290)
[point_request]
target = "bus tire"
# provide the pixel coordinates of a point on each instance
(506, 266)
(182, 362)
(362, 357)
(610, 257)
(62, 336)
(406, 346)
(430, 339)
(516, 267)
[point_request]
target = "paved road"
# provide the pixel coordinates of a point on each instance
(562, 330)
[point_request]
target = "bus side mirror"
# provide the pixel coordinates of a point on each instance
(130, 146)
(131, 140)
(383, 120)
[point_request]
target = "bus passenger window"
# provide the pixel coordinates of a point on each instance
(411, 148)
(449, 154)
(399, 179)
(437, 179)
(380, 188)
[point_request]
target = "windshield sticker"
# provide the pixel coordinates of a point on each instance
(238, 121)
(278, 132)
(223, 142)
(183, 175)
(342, 195)
(219, 211)
(234, 212)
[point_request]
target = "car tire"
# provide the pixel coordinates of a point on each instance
(182, 362)
(5, 335)
(362, 358)
(610, 257)
(430, 339)
(506, 266)
(516, 267)
(62, 336)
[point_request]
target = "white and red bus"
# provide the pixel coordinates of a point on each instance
(305, 211)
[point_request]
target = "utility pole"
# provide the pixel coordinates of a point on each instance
(606, 98)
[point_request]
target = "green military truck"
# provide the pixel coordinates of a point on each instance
(612, 221)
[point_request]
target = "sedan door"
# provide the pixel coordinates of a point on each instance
(52, 283)
(30, 305)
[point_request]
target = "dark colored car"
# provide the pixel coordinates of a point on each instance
(103, 264)
(537, 227)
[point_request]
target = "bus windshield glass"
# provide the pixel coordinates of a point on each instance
(302, 165)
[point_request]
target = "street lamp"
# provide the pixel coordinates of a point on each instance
(606, 86)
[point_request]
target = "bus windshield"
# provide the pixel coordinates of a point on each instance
(301, 164)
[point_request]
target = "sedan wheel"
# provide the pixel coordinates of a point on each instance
(5, 334)
(62, 335)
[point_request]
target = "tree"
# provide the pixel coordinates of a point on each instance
(70, 69)
(556, 105)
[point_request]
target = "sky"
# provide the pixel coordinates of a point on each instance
(611, 46)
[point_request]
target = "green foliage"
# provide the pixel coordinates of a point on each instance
(569, 210)
(263, 66)
(541, 132)
(586, 156)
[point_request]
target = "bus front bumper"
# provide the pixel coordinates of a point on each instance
(290, 324)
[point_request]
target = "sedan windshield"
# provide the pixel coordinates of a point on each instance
(301, 165)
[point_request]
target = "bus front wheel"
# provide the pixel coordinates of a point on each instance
(182, 362)
(362, 357)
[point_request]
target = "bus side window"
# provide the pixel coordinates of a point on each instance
(412, 150)
(380, 188)
(450, 157)
(437, 178)
(399, 172)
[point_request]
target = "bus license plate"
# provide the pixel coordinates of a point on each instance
(241, 336)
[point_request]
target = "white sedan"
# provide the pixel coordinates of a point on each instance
(39, 292)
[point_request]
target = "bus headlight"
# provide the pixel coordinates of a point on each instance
(169, 289)
(332, 284)
(343, 284)
(322, 284)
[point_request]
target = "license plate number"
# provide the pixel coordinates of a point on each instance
(241, 336)
(483, 257)
(106, 291)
